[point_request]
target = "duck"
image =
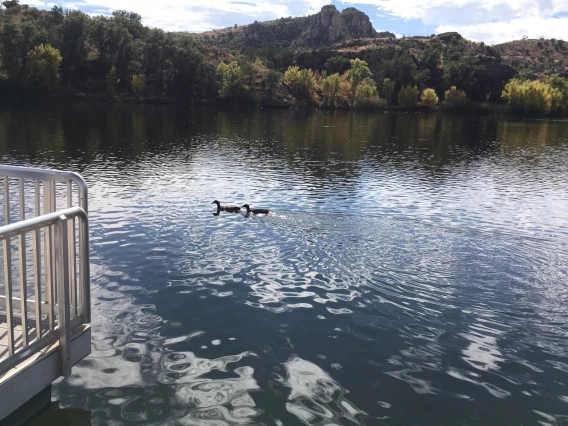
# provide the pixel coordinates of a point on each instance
(254, 211)
(232, 209)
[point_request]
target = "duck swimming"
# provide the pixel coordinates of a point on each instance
(254, 211)
(232, 209)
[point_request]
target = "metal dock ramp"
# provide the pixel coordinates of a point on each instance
(44, 285)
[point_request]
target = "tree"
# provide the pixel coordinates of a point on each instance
(388, 89)
(17, 41)
(408, 96)
(42, 67)
(358, 73)
(112, 80)
(74, 50)
(461, 70)
(531, 97)
(302, 82)
(330, 90)
(138, 83)
(232, 79)
(271, 79)
(559, 83)
(429, 98)
(365, 90)
(337, 64)
(455, 96)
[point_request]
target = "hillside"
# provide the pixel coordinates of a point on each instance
(118, 56)
(532, 57)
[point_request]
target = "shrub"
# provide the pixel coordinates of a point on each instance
(455, 96)
(408, 96)
(429, 98)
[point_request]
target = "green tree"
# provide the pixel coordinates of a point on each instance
(358, 73)
(461, 70)
(365, 90)
(408, 96)
(330, 90)
(42, 67)
(556, 82)
(74, 49)
(232, 79)
(388, 89)
(17, 41)
(429, 98)
(337, 64)
(302, 82)
(112, 80)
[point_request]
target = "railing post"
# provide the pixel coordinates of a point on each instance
(62, 288)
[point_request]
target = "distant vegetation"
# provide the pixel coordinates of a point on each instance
(330, 60)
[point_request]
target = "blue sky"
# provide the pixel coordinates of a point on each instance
(491, 21)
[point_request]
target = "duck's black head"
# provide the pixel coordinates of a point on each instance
(216, 202)
(246, 206)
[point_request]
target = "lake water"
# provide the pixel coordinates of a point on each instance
(413, 271)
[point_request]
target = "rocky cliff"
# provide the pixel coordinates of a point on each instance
(330, 26)
(323, 29)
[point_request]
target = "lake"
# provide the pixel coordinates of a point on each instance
(413, 270)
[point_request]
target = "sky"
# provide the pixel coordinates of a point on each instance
(491, 21)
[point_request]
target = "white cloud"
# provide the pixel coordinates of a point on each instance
(492, 21)
(195, 15)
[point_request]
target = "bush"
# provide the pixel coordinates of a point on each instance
(429, 98)
(373, 103)
(455, 96)
(408, 96)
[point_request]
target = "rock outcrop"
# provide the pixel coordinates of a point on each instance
(330, 26)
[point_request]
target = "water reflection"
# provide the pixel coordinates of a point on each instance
(411, 261)
(316, 399)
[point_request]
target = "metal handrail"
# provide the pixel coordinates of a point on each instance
(62, 283)
(62, 292)
(36, 173)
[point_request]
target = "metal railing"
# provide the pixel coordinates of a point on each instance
(44, 300)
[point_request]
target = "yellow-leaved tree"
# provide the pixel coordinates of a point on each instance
(429, 98)
(42, 67)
